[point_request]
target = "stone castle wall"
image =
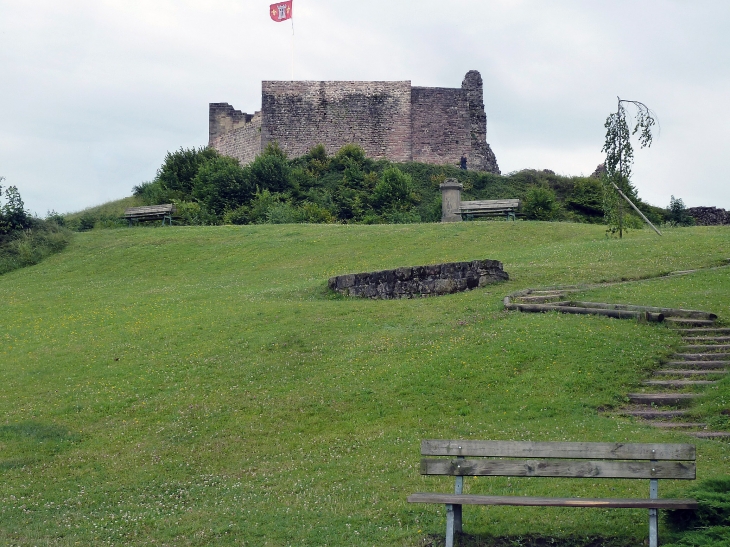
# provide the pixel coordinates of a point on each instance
(439, 124)
(234, 133)
(418, 281)
(389, 120)
(373, 115)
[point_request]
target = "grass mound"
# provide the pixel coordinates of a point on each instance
(200, 386)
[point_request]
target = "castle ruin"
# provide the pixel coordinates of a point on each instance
(389, 120)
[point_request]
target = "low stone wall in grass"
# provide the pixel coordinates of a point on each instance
(419, 281)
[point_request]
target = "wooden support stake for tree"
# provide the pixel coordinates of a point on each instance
(635, 208)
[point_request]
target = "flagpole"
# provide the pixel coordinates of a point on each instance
(292, 48)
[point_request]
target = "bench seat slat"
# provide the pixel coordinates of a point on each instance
(468, 499)
(560, 468)
(526, 449)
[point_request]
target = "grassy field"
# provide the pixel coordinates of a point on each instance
(200, 386)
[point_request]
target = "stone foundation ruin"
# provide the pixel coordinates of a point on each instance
(420, 281)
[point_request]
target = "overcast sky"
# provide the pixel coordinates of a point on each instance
(93, 93)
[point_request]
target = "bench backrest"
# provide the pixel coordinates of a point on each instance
(559, 459)
(491, 204)
(150, 209)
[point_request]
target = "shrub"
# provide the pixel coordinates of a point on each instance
(540, 204)
(222, 184)
(270, 170)
(56, 218)
(350, 155)
(13, 215)
(713, 498)
(152, 193)
(717, 536)
(395, 191)
(190, 213)
(259, 206)
(86, 222)
(27, 247)
(677, 213)
(315, 214)
(282, 212)
(177, 172)
(239, 215)
(586, 197)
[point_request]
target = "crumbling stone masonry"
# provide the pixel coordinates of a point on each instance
(709, 216)
(390, 120)
(418, 281)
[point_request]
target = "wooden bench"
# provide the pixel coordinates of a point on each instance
(150, 212)
(490, 207)
(555, 459)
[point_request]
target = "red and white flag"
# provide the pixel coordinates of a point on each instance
(281, 11)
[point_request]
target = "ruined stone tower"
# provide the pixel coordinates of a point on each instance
(391, 120)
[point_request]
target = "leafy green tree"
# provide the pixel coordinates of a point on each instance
(541, 204)
(179, 169)
(221, 184)
(620, 157)
(677, 213)
(271, 170)
(394, 191)
(13, 215)
(586, 197)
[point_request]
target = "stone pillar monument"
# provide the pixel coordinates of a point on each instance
(450, 200)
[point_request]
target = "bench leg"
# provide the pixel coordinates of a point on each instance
(653, 515)
(458, 489)
(450, 524)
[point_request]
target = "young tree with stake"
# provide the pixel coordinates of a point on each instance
(619, 157)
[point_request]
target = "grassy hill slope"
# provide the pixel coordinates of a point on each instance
(199, 386)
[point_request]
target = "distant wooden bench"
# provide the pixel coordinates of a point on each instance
(556, 459)
(150, 212)
(490, 207)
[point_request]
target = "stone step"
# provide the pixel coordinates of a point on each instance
(688, 372)
(678, 425)
(710, 434)
(705, 347)
(654, 414)
(718, 365)
(678, 383)
(701, 331)
(662, 399)
(702, 356)
(672, 321)
(695, 339)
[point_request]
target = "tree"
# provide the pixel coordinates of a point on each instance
(677, 213)
(620, 157)
(540, 203)
(221, 184)
(13, 215)
(394, 191)
(179, 169)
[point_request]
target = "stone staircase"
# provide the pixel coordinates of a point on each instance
(702, 361)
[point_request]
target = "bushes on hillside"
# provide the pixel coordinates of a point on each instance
(24, 239)
(348, 187)
(541, 204)
(13, 215)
